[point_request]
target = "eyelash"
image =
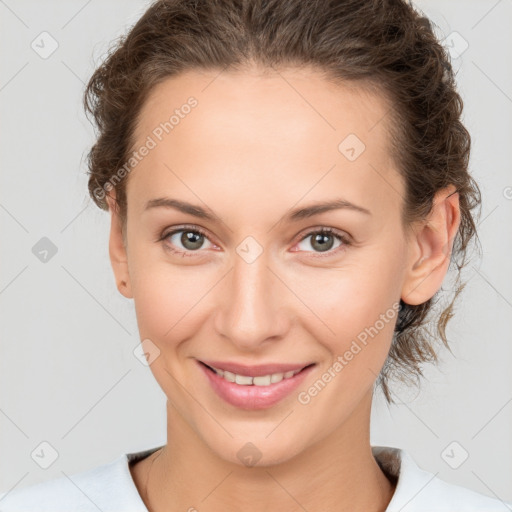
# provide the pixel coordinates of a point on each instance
(196, 229)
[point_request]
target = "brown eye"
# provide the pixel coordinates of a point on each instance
(185, 240)
(191, 240)
(323, 241)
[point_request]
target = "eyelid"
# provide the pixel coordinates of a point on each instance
(182, 227)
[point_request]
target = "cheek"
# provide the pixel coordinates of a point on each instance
(355, 310)
(165, 295)
(358, 312)
(348, 299)
(167, 302)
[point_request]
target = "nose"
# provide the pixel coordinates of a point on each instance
(252, 305)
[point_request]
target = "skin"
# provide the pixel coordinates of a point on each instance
(254, 148)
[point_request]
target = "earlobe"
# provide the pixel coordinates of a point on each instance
(430, 248)
(117, 249)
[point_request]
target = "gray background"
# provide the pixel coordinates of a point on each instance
(68, 373)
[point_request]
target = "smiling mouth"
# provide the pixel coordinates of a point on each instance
(260, 380)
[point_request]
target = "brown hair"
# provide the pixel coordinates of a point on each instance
(385, 45)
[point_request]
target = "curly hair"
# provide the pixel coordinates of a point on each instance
(386, 46)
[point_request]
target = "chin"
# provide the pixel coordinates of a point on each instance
(258, 452)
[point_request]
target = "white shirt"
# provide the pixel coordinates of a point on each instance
(110, 488)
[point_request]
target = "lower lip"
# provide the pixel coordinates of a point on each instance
(254, 397)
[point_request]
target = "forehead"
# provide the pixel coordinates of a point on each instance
(251, 101)
(259, 133)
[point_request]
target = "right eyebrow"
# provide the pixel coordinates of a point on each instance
(182, 206)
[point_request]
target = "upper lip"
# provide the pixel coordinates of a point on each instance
(256, 370)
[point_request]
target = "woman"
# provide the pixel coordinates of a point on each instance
(288, 184)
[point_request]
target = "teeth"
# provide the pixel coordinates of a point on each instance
(242, 379)
(263, 380)
(276, 377)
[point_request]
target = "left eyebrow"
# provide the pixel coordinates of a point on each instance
(317, 208)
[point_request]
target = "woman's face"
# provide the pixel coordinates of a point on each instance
(261, 286)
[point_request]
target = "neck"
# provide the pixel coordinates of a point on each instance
(336, 473)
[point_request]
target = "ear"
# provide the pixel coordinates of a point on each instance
(117, 248)
(431, 247)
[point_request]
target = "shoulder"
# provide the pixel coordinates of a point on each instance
(421, 491)
(108, 487)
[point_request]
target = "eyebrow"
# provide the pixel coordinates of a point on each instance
(182, 206)
(293, 216)
(317, 208)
